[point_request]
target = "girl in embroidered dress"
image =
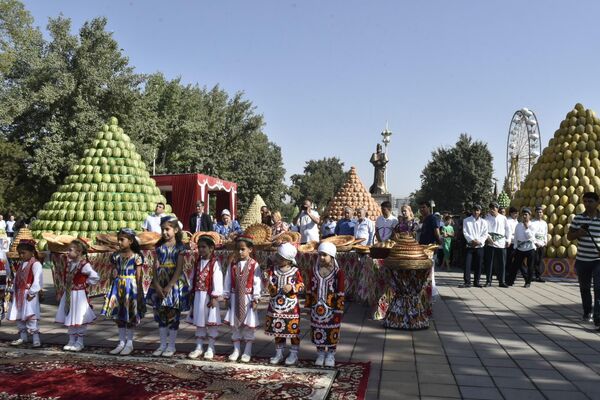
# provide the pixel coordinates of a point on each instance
(74, 309)
(124, 302)
(24, 307)
(207, 290)
(242, 287)
(283, 314)
(325, 301)
(169, 291)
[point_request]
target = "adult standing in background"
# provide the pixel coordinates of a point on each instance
(279, 226)
(345, 226)
(541, 239)
(524, 248)
(512, 220)
(10, 226)
(200, 221)
(406, 221)
(495, 246)
(2, 223)
(585, 228)
(385, 223)
(475, 231)
(152, 222)
(430, 228)
(308, 223)
(265, 216)
(227, 227)
(364, 228)
(328, 227)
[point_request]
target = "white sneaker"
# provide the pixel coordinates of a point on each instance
(196, 353)
(320, 359)
(159, 351)
(36, 343)
(245, 358)
(128, 349)
(17, 342)
(234, 356)
(68, 347)
(330, 360)
(209, 354)
(118, 349)
(292, 358)
(77, 347)
(169, 352)
(277, 358)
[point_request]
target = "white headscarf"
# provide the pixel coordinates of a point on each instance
(328, 248)
(288, 252)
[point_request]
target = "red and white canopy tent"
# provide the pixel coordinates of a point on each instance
(182, 191)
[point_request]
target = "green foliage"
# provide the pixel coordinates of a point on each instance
(320, 182)
(55, 93)
(458, 177)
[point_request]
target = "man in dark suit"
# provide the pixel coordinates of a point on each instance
(200, 221)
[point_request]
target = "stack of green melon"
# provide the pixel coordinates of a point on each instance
(503, 199)
(108, 189)
(567, 168)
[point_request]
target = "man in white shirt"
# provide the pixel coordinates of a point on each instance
(308, 223)
(152, 222)
(475, 234)
(495, 245)
(524, 248)
(541, 239)
(364, 228)
(385, 224)
(2, 223)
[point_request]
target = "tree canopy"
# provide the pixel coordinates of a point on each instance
(320, 182)
(56, 93)
(459, 176)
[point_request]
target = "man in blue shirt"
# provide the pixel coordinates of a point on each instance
(430, 229)
(345, 226)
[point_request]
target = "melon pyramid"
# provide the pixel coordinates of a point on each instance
(568, 167)
(108, 189)
(353, 194)
(252, 215)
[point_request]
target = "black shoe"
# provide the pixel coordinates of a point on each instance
(588, 317)
(504, 285)
(540, 280)
(488, 284)
(526, 285)
(478, 285)
(464, 285)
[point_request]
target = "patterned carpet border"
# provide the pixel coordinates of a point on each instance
(348, 381)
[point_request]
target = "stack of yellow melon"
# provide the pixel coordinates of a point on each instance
(567, 168)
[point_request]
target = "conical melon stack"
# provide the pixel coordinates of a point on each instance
(353, 194)
(108, 189)
(252, 215)
(567, 168)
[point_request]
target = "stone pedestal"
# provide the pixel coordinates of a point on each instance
(380, 198)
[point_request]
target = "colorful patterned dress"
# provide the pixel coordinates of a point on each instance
(123, 301)
(325, 299)
(283, 314)
(167, 311)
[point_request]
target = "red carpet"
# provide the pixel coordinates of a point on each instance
(51, 374)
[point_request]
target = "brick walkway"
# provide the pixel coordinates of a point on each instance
(487, 343)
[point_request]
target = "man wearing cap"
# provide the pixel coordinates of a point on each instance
(541, 239)
(524, 248)
(200, 221)
(152, 222)
(512, 221)
(308, 223)
(227, 227)
(495, 245)
(585, 228)
(345, 226)
(475, 231)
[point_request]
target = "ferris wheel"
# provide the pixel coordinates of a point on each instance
(523, 147)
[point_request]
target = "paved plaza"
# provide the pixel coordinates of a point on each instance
(487, 343)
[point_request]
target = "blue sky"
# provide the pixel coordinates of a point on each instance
(328, 75)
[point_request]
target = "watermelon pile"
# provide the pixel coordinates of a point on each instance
(108, 189)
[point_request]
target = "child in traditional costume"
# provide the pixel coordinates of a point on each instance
(242, 289)
(283, 314)
(169, 292)
(325, 301)
(74, 310)
(124, 302)
(207, 290)
(24, 307)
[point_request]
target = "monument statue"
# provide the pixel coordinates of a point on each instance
(379, 160)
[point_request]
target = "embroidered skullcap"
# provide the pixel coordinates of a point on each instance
(225, 212)
(328, 248)
(245, 238)
(526, 211)
(287, 251)
(207, 239)
(26, 244)
(494, 204)
(539, 208)
(129, 232)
